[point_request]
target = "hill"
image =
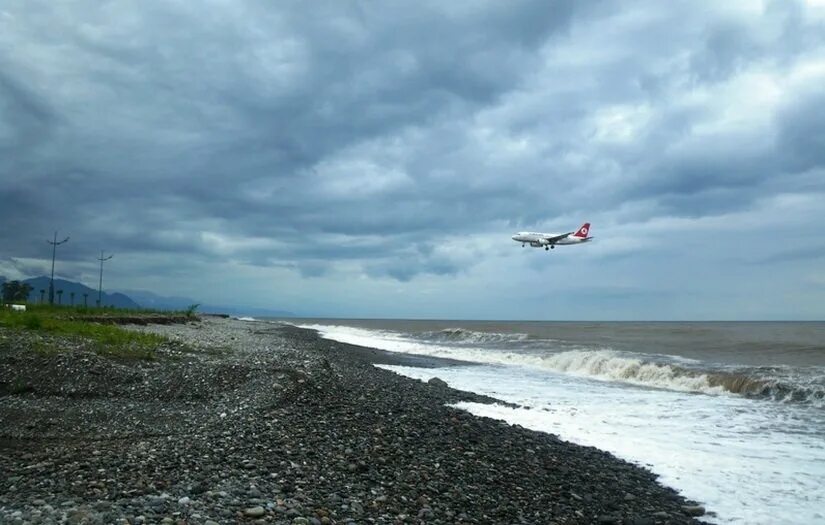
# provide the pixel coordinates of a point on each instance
(39, 284)
(133, 299)
(159, 302)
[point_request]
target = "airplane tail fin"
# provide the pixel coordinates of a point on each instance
(583, 232)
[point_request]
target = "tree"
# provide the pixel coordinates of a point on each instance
(42, 293)
(15, 291)
(85, 299)
(71, 294)
(59, 296)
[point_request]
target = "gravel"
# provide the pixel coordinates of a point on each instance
(256, 422)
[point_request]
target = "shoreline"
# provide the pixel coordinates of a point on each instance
(241, 421)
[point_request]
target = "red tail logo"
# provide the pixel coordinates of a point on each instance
(583, 231)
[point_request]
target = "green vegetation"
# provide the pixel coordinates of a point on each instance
(15, 291)
(190, 312)
(80, 310)
(103, 339)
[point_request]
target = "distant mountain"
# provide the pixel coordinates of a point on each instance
(136, 299)
(118, 300)
(159, 302)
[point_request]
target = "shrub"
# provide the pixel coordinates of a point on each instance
(32, 322)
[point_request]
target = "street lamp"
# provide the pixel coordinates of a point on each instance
(51, 281)
(100, 286)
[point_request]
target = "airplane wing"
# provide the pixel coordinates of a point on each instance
(556, 238)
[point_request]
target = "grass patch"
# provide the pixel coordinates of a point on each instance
(32, 321)
(54, 310)
(104, 339)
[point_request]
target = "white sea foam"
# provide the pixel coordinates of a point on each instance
(600, 364)
(464, 336)
(611, 366)
(748, 461)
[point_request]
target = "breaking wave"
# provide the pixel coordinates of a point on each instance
(777, 389)
(664, 372)
(464, 336)
(611, 366)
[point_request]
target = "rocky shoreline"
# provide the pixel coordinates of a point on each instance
(238, 422)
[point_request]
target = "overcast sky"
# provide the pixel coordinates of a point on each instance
(372, 159)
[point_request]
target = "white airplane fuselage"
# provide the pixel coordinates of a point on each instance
(550, 240)
(540, 239)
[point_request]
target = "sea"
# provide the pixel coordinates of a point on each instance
(730, 414)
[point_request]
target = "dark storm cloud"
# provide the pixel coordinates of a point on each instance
(27, 119)
(306, 135)
(801, 126)
(169, 101)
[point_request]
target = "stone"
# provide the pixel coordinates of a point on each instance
(693, 510)
(254, 512)
(435, 381)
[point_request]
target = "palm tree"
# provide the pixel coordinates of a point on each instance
(60, 297)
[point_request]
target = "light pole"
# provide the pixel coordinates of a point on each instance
(54, 250)
(100, 286)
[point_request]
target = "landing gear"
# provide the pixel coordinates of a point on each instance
(522, 245)
(546, 248)
(552, 246)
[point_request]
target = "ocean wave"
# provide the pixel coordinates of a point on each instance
(469, 337)
(603, 364)
(782, 389)
(612, 366)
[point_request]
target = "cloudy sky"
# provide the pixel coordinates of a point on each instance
(372, 159)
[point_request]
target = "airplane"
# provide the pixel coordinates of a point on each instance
(550, 240)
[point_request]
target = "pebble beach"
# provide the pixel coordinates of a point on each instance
(258, 422)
